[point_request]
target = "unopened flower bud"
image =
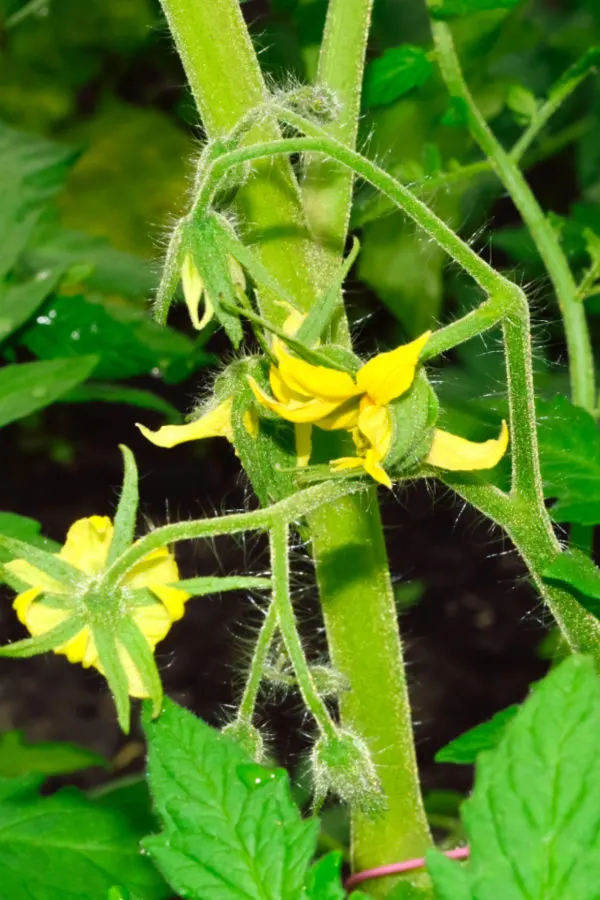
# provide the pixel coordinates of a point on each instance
(248, 737)
(343, 765)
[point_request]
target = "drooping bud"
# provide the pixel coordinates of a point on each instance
(343, 765)
(248, 737)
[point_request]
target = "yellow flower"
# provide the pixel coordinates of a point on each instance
(146, 596)
(316, 395)
(372, 439)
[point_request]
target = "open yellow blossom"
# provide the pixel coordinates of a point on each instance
(304, 393)
(372, 438)
(147, 597)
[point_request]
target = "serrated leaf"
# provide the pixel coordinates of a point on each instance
(66, 846)
(465, 749)
(18, 757)
(394, 74)
(578, 571)
(449, 9)
(36, 166)
(569, 442)
(451, 880)
(28, 387)
(533, 821)
(225, 837)
(126, 341)
(324, 880)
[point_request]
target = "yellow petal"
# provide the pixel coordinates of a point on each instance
(35, 577)
(457, 454)
(193, 288)
(251, 423)
(388, 375)
(87, 544)
(215, 423)
(317, 382)
(293, 322)
(23, 601)
(76, 649)
(173, 599)
(376, 470)
(294, 411)
(157, 571)
(375, 423)
(153, 621)
(282, 391)
(343, 418)
(40, 618)
(303, 436)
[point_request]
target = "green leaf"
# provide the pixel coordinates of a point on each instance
(225, 836)
(28, 387)
(38, 556)
(575, 569)
(18, 757)
(465, 749)
(33, 166)
(533, 821)
(394, 74)
(451, 880)
(449, 9)
(125, 340)
(66, 847)
(324, 880)
(18, 302)
(213, 584)
(23, 529)
(114, 672)
(98, 392)
(111, 271)
(576, 72)
(569, 442)
(522, 103)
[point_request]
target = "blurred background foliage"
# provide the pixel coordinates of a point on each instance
(97, 139)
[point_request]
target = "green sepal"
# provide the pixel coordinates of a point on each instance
(115, 674)
(171, 273)
(414, 416)
(325, 307)
(46, 642)
(246, 258)
(202, 586)
(269, 458)
(51, 565)
(126, 514)
(202, 239)
(131, 637)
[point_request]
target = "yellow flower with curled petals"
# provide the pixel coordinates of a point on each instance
(146, 596)
(372, 439)
(304, 393)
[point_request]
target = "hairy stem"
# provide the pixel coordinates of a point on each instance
(361, 622)
(280, 573)
(223, 72)
(581, 362)
(327, 186)
(257, 666)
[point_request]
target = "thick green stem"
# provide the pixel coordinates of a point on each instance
(327, 187)
(226, 81)
(361, 622)
(581, 361)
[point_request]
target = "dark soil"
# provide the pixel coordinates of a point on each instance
(470, 643)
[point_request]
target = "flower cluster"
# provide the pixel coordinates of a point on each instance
(364, 404)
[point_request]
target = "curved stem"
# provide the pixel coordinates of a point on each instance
(280, 574)
(257, 666)
(581, 361)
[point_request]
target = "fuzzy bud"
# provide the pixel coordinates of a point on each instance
(248, 737)
(317, 102)
(343, 765)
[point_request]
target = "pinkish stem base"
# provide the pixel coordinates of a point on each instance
(397, 868)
